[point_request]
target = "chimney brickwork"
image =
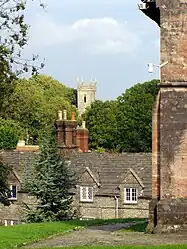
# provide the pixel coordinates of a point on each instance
(70, 137)
(82, 138)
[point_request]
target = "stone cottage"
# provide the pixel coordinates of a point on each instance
(109, 185)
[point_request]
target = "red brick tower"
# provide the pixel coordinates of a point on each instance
(168, 208)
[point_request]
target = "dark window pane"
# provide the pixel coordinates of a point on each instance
(14, 191)
(90, 193)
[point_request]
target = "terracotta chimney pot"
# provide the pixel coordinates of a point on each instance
(73, 116)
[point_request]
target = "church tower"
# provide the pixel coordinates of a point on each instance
(86, 94)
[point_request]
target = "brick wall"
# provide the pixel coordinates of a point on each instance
(168, 208)
(173, 40)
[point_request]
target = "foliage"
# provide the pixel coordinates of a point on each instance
(36, 101)
(6, 79)
(4, 187)
(134, 117)
(51, 183)
(10, 133)
(14, 35)
(13, 38)
(100, 120)
(123, 125)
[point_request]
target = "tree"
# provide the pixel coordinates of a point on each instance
(10, 132)
(100, 120)
(13, 39)
(4, 187)
(134, 117)
(6, 80)
(14, 36)
(50, 182)
(35, 102)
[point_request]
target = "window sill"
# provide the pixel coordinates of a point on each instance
(130, 203)
(89, 201)
(12, 199)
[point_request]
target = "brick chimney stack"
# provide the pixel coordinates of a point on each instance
(69, 130)
(60, 130)
(82, 137)
(69, 136)
(66, 132)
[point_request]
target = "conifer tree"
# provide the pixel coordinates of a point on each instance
(50, 182)
(4, 187)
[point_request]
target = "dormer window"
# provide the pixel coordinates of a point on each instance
(86, 194)
(130, 195)
(84, 98)
(13, 189)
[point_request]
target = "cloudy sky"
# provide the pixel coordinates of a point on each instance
(110, 40)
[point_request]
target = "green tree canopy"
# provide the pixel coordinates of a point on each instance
(100, 120)
(123, 125)
(10, 132)
(51, 182)
(13, 39)
(134, 117)
(35, 102)
(5, 193)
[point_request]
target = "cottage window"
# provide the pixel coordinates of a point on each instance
(13, 189)
(84, 98)
(130, 195)
(86, 193)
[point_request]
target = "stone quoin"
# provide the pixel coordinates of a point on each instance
(168, 208)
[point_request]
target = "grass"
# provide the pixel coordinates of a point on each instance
(16, 236)
(11, 237)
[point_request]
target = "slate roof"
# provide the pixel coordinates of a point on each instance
(109, 169)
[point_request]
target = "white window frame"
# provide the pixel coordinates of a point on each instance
(13, 198)
(131, 191)
(87, 199)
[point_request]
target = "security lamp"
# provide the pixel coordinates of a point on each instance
(142, 6)
(151, 66)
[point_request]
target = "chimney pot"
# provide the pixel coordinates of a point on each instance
(83, 124)
(65, 115)
(21, 143)
(59, 115)
(73, 116)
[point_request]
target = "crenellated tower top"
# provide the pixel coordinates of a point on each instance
(86, 94)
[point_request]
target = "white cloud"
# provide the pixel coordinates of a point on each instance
(101, 35)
